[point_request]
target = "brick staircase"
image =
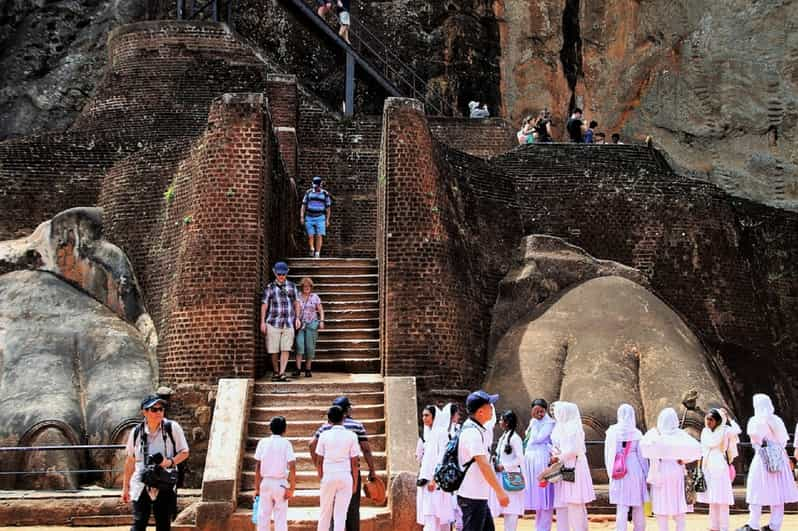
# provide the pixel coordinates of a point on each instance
(304, 404)
(348, 290)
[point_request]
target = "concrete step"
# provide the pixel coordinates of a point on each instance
(302, 498)
(349, 333)
(323, 287)
(341, 322)
(309, 427)
(350, 306)
(317, 399)
(306, 261)
(334, 276)
(307, 518)
(303, 462)
(300, 442)
(298, 411)
(318, 386)
(345, 344)
(360, 352)
(350, 365)
(339, 296)
(340, 311)
(305, 479)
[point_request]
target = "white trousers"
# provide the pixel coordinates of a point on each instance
(572, 517)
(776, 516)
(718, 517)
(510, 522)
(272, 503)
(662, 522)
(335, 494)
(543, 519)
(638, 518)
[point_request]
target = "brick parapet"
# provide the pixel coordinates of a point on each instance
(484, 138)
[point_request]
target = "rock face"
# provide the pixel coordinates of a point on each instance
(715, 83)
(594, 340)
(71, 372)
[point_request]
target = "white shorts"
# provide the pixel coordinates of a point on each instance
(343, 18)
(279, 339)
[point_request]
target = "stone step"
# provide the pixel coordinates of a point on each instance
(316, 386)
(345, 344)
(307, 519)
(319, 287)
(302, 498)
(305, 479)
(309, 427)
(376, 442)
(350, 306)
(332, 276)
(350, 365)
(349, 333)
(340, 311)
(297, 411)
(338, 322)
(341, 296)
(303, 462)
(306, 261)
(355, 352)
(317, 399)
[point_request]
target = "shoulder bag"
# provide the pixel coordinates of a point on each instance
(772, 457)
(619, 464)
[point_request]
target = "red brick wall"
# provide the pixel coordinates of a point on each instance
(481, 138)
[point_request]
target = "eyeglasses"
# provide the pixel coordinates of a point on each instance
(155, 409)
(281, 274)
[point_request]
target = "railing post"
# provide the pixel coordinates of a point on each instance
(181, 5)
(230, 14)
(216, 10)
(349, 97)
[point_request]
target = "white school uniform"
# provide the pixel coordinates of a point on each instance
(434, 509)
(512, 462)
(273, 455)
(337, 446)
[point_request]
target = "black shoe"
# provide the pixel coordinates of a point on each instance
(308, 374)
(747, 527)
(296, 373)
(767, 528)
(283, 378)
(275, 377)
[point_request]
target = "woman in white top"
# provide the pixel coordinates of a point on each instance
(668, 448)
(509, 457)
(568, 440)
(628, 488)
(764, 487)
(715, 465)
(434, 507)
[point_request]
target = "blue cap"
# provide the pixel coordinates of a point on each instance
(280, 268)
(151, 400)
(342, 402)
(316, 179)
(477, 399)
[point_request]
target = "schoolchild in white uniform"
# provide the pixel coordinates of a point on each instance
(715, 465)
(509, 458)
(337, 469)
(275, 475)
(626, 469)
(434, 507)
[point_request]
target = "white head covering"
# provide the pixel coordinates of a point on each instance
(733, 432)
(765, 424)
(668, 441)
(435, 440)
(472, 104)
(624, 430)
(568, 434)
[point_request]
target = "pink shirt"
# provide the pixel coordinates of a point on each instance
(309, 306)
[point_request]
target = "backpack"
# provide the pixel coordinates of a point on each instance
(448, 474)
(182, 468)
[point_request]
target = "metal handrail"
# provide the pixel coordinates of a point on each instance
(62, 447)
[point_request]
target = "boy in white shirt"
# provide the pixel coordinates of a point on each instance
(275, 463)
(338, 469)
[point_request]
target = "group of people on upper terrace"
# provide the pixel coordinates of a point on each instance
(538, 129)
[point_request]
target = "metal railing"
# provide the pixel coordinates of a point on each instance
(213, 9)
(6, 450)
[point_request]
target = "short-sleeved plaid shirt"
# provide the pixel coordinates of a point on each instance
(280, 304)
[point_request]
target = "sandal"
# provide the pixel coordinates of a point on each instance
(283, 378)
(308, 374)
(275, 377)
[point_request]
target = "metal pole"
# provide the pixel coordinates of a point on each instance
(216, 10)
(349, 102)
(230, 14)
(181, 5)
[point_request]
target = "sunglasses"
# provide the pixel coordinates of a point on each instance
(155, 409)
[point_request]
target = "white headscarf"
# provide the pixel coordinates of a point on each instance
(766, 424)
(568, 434)
(733, 432)
(668, 441)
(436, 438)
(624, 430)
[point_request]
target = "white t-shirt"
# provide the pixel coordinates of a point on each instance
(337, 445)
(155, 444)
(473, 443)
(274, 454)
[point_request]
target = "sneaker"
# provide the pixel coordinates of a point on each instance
(296, 373)
(746, 527)
(308, 374)
(767, 528)
(312, 253)
(317, 254)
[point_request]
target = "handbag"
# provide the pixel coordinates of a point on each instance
(689, 489)
(552, 473)
(772, 457)
(513, 481)
(569, 474)
(699, 481)
(619, 465)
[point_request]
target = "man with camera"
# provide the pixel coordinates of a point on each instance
(154, 449)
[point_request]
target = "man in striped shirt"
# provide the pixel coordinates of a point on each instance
(279, 317)
(315, 215)
(353, 514)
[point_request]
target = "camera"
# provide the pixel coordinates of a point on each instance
(154, 475)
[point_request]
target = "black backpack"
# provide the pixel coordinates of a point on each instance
(182, 468)
(448, 474)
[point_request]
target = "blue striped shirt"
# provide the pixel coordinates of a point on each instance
(350, 424)
(316, 202)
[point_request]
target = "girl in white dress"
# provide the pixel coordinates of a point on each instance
(509, 458)
(434, 508)
(537, 448)
(715, 465)
(630, 491)
(568, 440)
(668, 448)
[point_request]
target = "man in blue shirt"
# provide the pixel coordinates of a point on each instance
(315, 215)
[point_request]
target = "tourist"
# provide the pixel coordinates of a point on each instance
(315, 215)
(350, 424)
(275, 477)
(536, 458)
(590, 131)
(543, 127)
(575, 126)
(478, 111)
(600, 138)
(668, 448)
(568, 447)
(473, 456)
(526, 135)
(508, 463)
(343, 19)
(616, 138)
(455, 423)
(154, 449)
(774, 485)
(715, 466)
(626, 469)
(311, 314)
(434, 507)
(338, 471)
(324, 7)
(279, 317)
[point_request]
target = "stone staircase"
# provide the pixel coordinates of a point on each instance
(349, 293)
(304, 404)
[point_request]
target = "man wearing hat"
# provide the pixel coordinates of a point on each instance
(353, 514)
(279, 317)
(161, 443)
(315, 215)
(474, 448)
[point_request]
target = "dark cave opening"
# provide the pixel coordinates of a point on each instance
(571, 52)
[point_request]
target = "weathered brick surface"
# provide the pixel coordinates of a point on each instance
(482, 138)
(725, 264)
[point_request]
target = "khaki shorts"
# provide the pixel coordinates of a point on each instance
(279, 339)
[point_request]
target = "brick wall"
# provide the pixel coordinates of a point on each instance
(482, 138)
(726, 265)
